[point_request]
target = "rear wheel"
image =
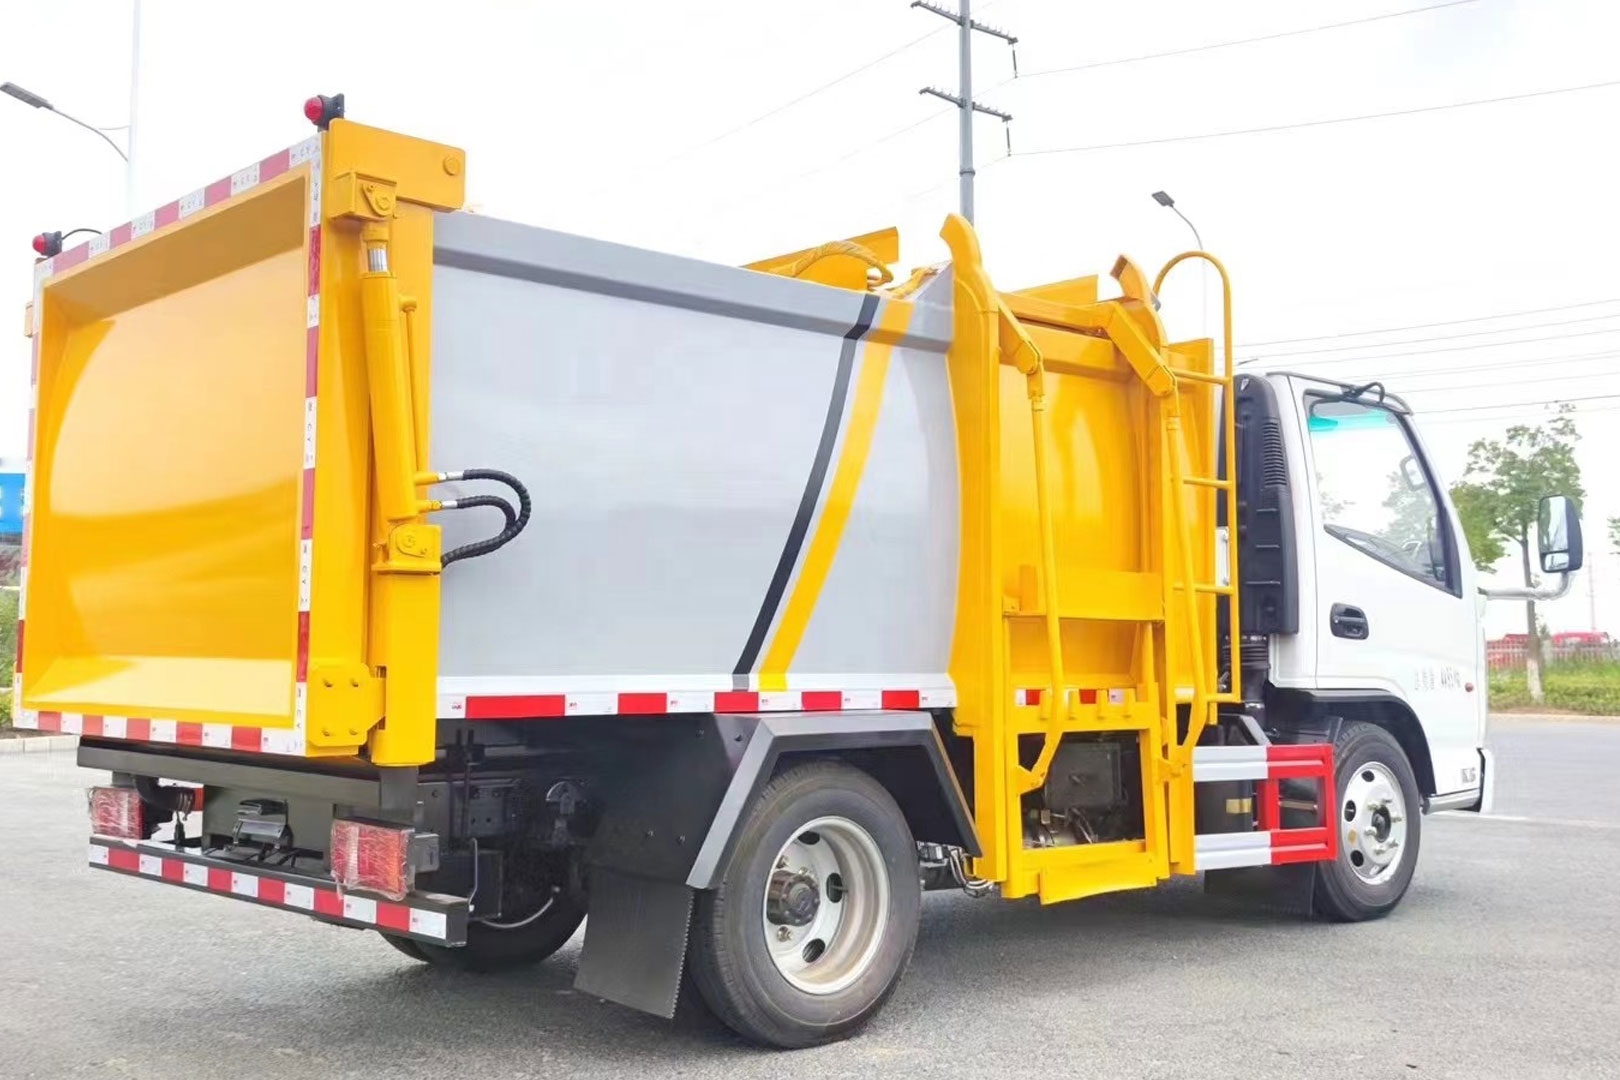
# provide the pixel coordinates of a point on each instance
(502, 944)
(1379, 824)
(816, 915)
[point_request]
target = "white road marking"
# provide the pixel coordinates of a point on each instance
(1516, 819)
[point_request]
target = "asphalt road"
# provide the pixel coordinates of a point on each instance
(1504, 961)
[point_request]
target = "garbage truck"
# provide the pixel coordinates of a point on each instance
(473, 581)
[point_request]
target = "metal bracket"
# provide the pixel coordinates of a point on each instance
(359, 197)
(411, 549)
(345, 702)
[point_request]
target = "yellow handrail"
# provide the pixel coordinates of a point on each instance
(1195, 727)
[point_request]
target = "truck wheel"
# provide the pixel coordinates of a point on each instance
(1380, 827)
(504, 944)
(816, 914)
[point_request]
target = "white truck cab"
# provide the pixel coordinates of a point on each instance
(1356, 570)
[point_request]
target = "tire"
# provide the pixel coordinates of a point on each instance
(491, 948)
(771, 982)
(1379, 818)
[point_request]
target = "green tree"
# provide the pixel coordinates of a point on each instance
(1614, 534)
(1476, 510)
(1499, 498)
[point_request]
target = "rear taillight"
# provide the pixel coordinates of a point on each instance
(116, 811)
(375, 858)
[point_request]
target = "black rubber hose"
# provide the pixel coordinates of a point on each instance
(482, 547)
(515, 521)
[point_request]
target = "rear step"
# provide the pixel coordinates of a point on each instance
(430, 917)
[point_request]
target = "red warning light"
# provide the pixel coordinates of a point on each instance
(322, 109)
(47, 244)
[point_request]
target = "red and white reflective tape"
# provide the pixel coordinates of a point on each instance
(485, 699)
(1270, 844)
(152, 729)
(146, 729)
(244, 884)
(1032, 695)
(1274, 762)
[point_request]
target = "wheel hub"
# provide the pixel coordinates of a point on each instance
(792, 899)
(826, 905)
(1373, 813)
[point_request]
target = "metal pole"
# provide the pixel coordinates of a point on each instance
(1203, 276)
(965, 92)
(1591, 598)
(134, 90)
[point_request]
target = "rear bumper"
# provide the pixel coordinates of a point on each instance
(429, 917)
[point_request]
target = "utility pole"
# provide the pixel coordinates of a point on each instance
(1591, 598)
(134, 90)
(963, 100)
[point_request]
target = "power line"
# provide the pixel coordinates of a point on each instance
(1522, 404)
(1526, 362)
(1505, 384)
(1284, 358)
(1317, 123)
(1245, 41)
(1428, 325)
(749, 198)
(806, 96)
(1450, 337)
(1426, 419)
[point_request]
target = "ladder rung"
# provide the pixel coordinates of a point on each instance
(1207, 481)
(1198, 376)
(1206, 587)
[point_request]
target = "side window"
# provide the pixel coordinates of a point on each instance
(1373, 491)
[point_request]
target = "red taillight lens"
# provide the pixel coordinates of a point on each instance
(322, 109)
(116, 811)
(375, 858)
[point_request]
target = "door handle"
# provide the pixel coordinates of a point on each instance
(1348, 622)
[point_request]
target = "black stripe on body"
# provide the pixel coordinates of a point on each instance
(812, 493)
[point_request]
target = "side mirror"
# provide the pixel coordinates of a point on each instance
(1558, 535)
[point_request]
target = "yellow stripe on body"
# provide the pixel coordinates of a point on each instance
(840, 498)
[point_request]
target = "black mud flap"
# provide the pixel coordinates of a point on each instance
(635, 941)
(1289, 887)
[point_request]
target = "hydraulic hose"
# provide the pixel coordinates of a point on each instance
(515, 520)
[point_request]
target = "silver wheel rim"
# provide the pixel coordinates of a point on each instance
(1372, 820)
(826, 905)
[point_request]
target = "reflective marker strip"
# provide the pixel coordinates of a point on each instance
(609, 701)
(364, 910)
(360, 909)
(427, 923)
(1222, 851)
(1031, 695)
(1229, 763)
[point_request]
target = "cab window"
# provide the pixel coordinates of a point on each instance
(1374, 491)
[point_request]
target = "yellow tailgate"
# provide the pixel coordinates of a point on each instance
(196, 573)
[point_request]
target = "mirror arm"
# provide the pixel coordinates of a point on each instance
(1519, 592)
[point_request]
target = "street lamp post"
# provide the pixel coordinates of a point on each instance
(1163, 199)
(28, 97)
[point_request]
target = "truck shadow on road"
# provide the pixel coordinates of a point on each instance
(966, 949)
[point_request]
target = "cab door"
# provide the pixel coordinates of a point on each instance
(1394, 603)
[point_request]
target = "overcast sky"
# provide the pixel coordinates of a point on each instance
(621, 120)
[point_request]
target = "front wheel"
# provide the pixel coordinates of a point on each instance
(1379, 823)
(816, 914)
